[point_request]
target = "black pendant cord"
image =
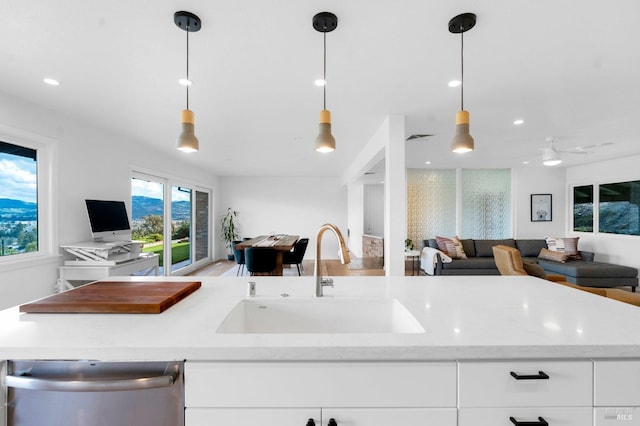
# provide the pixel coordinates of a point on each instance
(462, 71)
(188, 81)
(324, 74)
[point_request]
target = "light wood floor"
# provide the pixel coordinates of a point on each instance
(331, 267)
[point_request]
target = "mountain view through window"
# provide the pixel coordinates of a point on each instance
(18, 199)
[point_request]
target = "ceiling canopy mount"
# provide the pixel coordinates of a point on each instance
(462, 23)
(187, 21)
(325, 22)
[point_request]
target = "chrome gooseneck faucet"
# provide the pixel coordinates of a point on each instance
(344, 257)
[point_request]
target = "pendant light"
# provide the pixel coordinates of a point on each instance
(325, 22)
(187, 140)
(462, 142)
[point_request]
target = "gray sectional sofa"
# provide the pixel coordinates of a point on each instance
(585, 272)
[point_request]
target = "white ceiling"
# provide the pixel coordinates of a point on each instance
(569, 69)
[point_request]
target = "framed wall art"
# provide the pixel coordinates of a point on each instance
(541, 208)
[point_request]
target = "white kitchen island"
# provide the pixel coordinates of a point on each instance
(478, 331)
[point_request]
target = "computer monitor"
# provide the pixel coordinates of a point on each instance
(109, 220)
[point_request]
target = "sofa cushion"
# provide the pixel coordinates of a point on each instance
(530, 248)
(471, 263)
(555, 256)
(534, 270)
(484, 248)
(469, 247)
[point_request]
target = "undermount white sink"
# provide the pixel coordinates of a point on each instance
(326, 315)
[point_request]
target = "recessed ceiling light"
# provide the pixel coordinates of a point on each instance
(320, 82)
(525, 162)
(518, 121)
(427, 162)
(185, 82)
(51, 81)
(455, 83)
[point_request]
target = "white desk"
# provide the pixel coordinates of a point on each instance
(146, 264)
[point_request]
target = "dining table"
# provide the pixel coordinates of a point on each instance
(280, 242)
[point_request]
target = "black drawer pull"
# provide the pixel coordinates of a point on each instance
(332, 422)
(540, 422)
(540, 376)
(310, 422)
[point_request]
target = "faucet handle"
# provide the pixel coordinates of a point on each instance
(327, 282)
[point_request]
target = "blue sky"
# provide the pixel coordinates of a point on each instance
(18, 178)
(155, 190)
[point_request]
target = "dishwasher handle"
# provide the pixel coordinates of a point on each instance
(140, 383)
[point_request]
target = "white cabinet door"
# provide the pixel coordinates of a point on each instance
(302, 416)
(617, 383)
(390, 416)
(252, 416)
(554, 416)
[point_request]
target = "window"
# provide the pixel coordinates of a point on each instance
(619, 208)
(583, 208)
(483, 209)
(18, 200)
(431, 203)
(486, 203)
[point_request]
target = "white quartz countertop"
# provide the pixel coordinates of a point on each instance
(463, 317)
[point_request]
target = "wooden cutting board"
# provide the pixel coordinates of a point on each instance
(116, 297)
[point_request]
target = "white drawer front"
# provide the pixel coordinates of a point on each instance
(617, 416)
(391, 416)
(617, 383)
(490, 384)
(251, 416)
(313, 384)
(554, 416)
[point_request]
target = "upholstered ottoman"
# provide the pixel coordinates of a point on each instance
(593, 274)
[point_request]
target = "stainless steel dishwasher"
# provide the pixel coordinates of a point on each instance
(89, 393)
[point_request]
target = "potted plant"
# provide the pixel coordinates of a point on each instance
(229, 225)
(408, 244)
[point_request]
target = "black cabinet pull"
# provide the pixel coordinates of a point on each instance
(332, 422)
(540, 422)
(310, 422)
(540, 376)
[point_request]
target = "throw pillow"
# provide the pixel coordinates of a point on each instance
(556, 256)
(568, 246)
(452, 247)
(442, 245)
(555, 243)
(534, 270)
(571, 248)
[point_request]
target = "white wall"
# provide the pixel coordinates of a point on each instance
(374, 209)
(355, 217)
(547, 180)
(618, 249)
(298, 205)
(91, 163)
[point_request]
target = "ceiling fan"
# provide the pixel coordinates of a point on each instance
(551, 156)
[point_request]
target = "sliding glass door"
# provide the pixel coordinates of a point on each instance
(172, 220)
(147, 215)
(181, 213)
